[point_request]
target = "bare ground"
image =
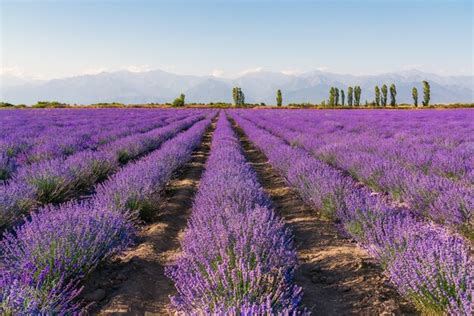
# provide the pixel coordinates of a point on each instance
(337, 276)
(134, 283)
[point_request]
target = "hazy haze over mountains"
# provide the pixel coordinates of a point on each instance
(259, 86)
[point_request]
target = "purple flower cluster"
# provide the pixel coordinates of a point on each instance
(137, 187)
(58, 133)
(43, 261)
(426, 262)
(427, 166)
(238, 257)
(59, 180)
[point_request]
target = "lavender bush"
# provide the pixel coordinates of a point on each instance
(427, 263)
(59, 180)
(238, 257)
(44, 260)
(429, 169)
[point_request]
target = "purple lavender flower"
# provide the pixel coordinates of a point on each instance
(426, 262)
(238, 256)
(55, 249)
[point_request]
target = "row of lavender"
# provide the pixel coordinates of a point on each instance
(238, 257)
(430, 170)
(435, 142)
(59, 180)
(427, 263)
(63, 133)
(43, 262)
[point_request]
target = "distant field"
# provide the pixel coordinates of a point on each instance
(236, 211)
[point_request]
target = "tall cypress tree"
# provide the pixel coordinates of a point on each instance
(350, 96)
(426, 93)
(357, 94)
(336, 96)
(343, 96)
(332, 96)
(393, 95)
(414, 94)
(235, 96)
(238, 96)
(377, 96)
(241, 97)
(279, 98)
(384, 95)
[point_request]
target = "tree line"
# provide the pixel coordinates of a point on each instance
(337, 97)
(381, 96)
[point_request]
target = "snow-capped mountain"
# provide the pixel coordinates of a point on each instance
(260, 86)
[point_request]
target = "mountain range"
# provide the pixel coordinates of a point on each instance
(158, 86)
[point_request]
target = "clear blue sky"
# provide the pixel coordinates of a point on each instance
(60, 38)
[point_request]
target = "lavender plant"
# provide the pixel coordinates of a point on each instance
(44, 260)
(238, 256)
(59, 180)
(427, 263)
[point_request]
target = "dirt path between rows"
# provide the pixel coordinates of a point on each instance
(337, 277)
(134, 283)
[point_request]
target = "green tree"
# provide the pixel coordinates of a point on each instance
(238, 96)
(279, 98)
(357, 94)
(350, 96)
(393, 95)
(332, 96)
(235, 96)
(178, 102)
(414, 94)
(377, 96)
(426, 93)
(342, 97)
(336, 96)
(384, 95)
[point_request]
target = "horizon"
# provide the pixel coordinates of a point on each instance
(59, 39)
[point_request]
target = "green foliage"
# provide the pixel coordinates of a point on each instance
(393, 95)
(357, 94)
(426, 93)
(238, 96)
(377, 96)
(279, 98)
(350, 97)
(384, 95)
(343, 96)
(332, 96)
(414, 94)
(179, 102)
(6, 105)
(49, 104)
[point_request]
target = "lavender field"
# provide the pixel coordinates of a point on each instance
(236, 212)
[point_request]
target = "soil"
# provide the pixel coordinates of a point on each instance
(337, 276)
(134, 283)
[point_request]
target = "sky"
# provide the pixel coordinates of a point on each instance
(51, 39)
